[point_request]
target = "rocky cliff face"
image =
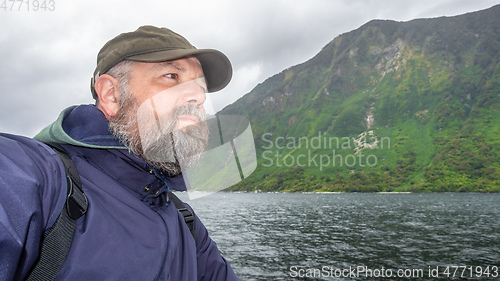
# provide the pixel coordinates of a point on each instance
(430, 86)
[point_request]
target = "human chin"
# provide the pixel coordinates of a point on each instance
(178, 150)
(169, 138)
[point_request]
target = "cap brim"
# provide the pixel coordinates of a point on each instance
(216, 66)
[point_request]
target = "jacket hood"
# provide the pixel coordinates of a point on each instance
(83, 125)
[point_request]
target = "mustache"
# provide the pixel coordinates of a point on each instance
(187, 110)
(190, 110)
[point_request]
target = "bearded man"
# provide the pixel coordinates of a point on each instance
(129, 149)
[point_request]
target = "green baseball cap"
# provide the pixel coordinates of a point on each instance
(153, 44)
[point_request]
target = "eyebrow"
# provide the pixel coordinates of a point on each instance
(170, 63)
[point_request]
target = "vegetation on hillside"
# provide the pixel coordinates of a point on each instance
(391, 106)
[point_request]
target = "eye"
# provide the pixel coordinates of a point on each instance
(202, 84)
(203, 88)
(171, 76)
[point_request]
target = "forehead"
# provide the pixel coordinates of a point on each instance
(187, 64)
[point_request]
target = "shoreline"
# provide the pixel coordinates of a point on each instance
(339, 192)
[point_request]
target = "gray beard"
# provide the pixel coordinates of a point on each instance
(160, 145)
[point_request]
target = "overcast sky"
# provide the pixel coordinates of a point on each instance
(47, 57)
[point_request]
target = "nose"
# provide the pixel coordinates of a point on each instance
(194, 92)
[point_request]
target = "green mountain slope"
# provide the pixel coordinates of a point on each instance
(391, 106)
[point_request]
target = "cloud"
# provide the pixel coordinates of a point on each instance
(49, 57)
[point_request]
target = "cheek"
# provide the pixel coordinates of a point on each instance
(154, 112)
(162, 104)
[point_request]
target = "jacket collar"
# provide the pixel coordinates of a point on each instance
(87, 128)
(83, 125)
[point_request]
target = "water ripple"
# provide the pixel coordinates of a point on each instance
(264, 235)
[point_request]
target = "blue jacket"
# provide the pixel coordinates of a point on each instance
(128, 232)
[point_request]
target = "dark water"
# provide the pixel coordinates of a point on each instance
(356, 236)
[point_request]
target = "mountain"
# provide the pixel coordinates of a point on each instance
(390, 106)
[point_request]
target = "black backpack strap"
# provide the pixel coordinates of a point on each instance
(186, 213)
(56, 241)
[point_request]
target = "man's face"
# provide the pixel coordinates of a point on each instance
(161, 113)
(152, 81)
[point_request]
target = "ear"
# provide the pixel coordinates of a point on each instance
(107, 91)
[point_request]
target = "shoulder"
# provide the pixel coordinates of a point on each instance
(20, 148)
(28, 158)
(33, 172)
(32, 194)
